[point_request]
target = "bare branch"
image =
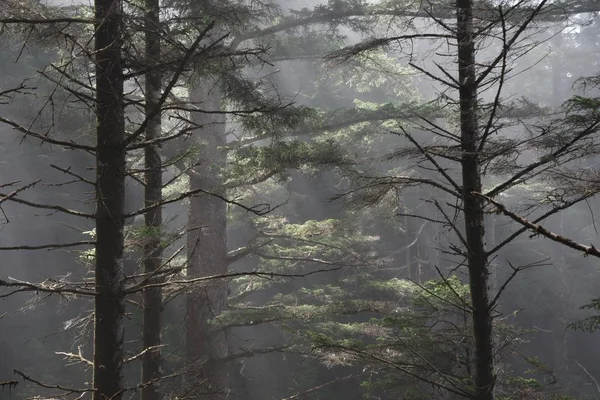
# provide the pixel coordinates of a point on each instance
(46, 139)
(319, 387)
(165, 95)
(45, 21)
(564, 149)
(49, 386)
(538, 229)
(259, 209)
(45, 206)
(141, 353)
(48, 246)
(431, 160)
(56, 288)
(78, 358)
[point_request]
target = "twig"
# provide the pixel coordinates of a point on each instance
(79, 356)
(319, 387)
(10, 384)
(141, 353)
(589, 375)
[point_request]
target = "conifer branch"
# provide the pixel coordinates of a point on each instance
(539, 229)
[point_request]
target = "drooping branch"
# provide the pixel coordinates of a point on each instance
(539, 229)
(51, 386)
(440, 11)
(51, 207)
(45, 139)
(547, 214)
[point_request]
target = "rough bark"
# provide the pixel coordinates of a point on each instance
(110, 194)
(152, 327)
(207, 250)
(477, 260)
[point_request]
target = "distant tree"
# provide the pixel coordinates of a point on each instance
(153, 185)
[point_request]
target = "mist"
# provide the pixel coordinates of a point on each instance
(319, 156)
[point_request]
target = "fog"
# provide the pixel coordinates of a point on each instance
(377, 247)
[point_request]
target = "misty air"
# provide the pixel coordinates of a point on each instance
(299, 200)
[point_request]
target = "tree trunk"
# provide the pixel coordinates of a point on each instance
(110, 195)
(152, 324)
(490, 242)
(558, 96)
(473, 206)
(206, 344)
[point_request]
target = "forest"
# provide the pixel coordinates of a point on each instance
(299, 199)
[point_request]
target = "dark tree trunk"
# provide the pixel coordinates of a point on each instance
(477, 259)
(206, 343)
(110, 194)
(153, 218)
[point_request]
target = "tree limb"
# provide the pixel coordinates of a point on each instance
(539, 229)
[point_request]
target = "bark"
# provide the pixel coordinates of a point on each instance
(152, 325)
(110, 194)
(477, 260)
(206, 343)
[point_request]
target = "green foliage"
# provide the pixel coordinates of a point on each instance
(589, 324)
(254, 164)
(525, 382)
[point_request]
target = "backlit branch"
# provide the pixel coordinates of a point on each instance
(55, 288)
(260, 274)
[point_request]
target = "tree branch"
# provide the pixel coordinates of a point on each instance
(538, 229)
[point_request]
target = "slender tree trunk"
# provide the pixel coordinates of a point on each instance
(558, 96)
(110, 195)
(153, 218)
(490, 242)
(473, 206)
(206, 343)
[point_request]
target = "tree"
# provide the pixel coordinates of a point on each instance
(477, 148)
(108, 102)
(152, 324)
(109, 304)
(471, 141)
(361, 248)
